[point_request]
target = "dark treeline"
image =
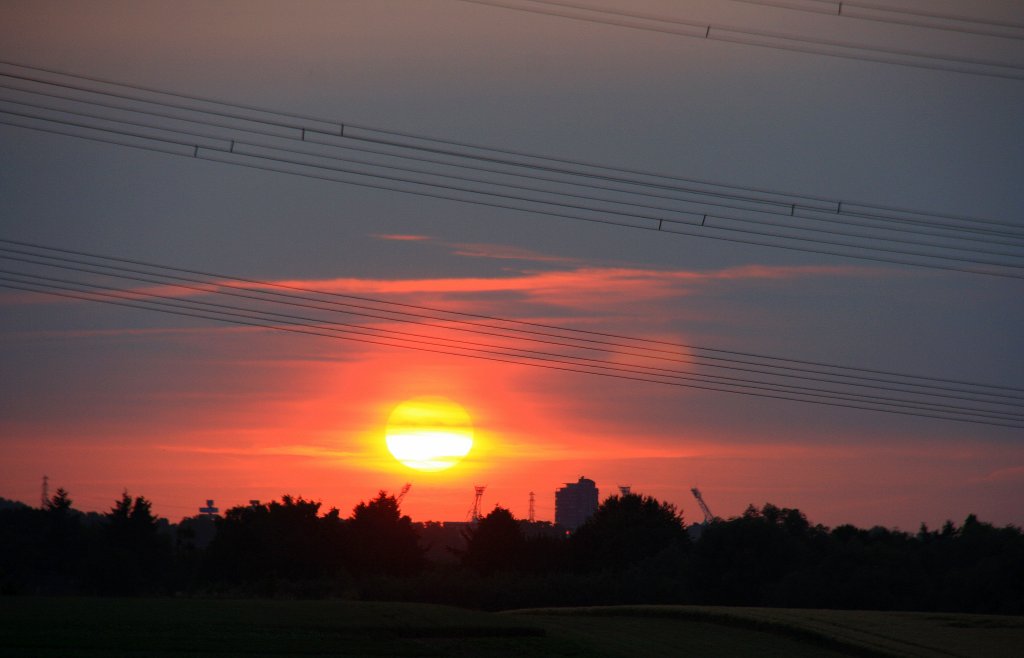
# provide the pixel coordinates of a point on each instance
(635, 549)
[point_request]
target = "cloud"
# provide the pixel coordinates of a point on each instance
(577, 449)
(1009, 474)
(504, 252)
(609, 298)
(270, 451)
(573, 287)
(401, 237)
(124, 331)
(479, 249)
(560, 282)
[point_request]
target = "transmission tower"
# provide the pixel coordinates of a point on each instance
(475, 516)
(46, 491)
(708, 516)
(624, 489)
(532, 517)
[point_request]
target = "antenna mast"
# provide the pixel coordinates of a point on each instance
(46, 491)
(475, 516)
(533, 516)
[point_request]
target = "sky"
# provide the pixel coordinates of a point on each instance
(102, 399)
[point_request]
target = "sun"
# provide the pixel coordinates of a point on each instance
(429, 433)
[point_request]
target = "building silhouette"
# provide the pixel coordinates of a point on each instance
(575, 502)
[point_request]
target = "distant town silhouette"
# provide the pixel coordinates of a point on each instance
(630, 548)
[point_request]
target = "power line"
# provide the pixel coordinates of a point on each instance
(371, 141)
(46, 101)
(497, 349)
(814, 377)
(948, 413)
(945, 399)
(897, 16)
(396, 312)
(755, 37)
(476, 323)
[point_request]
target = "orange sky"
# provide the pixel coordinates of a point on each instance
(244, 413)
(180, 410)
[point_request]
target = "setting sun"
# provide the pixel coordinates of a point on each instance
(429, 433)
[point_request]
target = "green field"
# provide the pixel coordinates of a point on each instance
(178, 627)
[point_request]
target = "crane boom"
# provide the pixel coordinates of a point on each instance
(405, 490)
(708, 516)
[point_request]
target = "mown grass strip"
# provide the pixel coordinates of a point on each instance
(781, 628)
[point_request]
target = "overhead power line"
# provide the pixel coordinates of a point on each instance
(171, 123)
(86, 276)
(898, 16)
(766, 39)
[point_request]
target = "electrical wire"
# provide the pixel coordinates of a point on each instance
(897, 16)
(755, 37)
(395, 311)
(780, 203)
(419, 338)
(696, 355)
(973, 402)
(509, 179)
(254, 320)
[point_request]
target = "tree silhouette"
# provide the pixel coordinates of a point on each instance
(383, 540)
(633, 549)
(64, 547)
(739, 561)
(133, 557)
(495, 544)
(60, 503)
(280, 547)
(626, 530)
(982, 567)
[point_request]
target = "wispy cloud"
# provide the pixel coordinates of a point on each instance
(504, 252)
(124, 331)
(401, 237)
(562, 287)
(571, 286)
(1008, 474)
(266, 451)
(486, 250)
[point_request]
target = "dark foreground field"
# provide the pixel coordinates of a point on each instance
(177, 627)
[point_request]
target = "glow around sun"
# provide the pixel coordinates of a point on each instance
(429, 433)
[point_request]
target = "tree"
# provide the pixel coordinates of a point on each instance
(742, 561)
(495, 544)
(278, 547)
(627, 530)
(134, 557)
(383, 540)
(60, 503)
(65, 543)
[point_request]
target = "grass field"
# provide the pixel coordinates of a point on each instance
(728, 631)
(178, 627)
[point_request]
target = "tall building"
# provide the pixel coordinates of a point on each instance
(575, 502)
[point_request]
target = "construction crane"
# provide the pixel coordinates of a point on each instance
(708, 516)
(401, 494)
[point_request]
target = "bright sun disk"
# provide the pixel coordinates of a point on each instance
(429, 433)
